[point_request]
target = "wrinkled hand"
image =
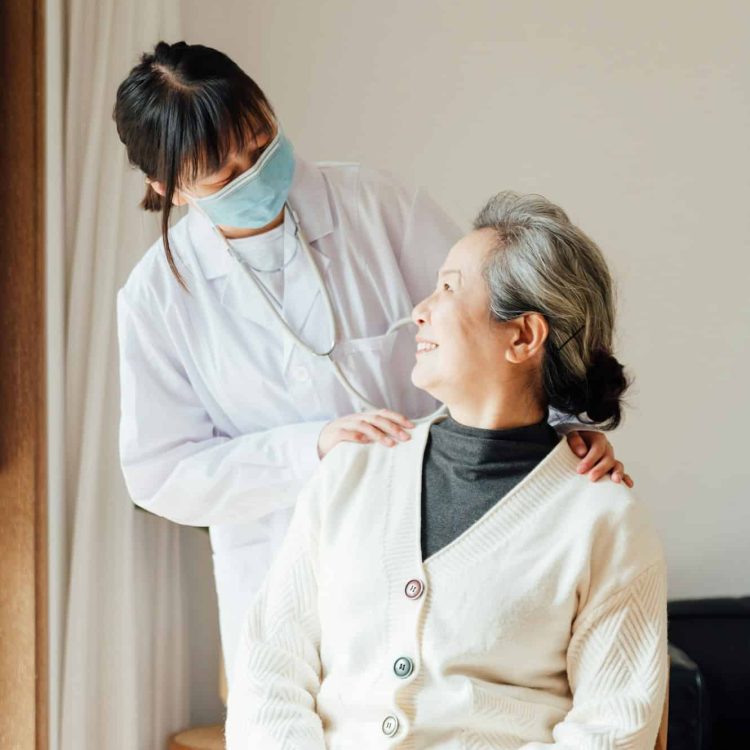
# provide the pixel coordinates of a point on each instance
(598, 456)
(382, 426)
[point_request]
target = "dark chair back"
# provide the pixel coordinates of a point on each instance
(715, 635)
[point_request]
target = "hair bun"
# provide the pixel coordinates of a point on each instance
(605, 384)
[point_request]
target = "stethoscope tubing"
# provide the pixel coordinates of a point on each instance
(295, 339)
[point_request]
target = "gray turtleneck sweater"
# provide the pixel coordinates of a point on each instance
(467, 470)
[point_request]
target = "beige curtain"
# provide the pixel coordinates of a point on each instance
(125, 669)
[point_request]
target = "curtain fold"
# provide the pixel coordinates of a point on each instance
(125, 661)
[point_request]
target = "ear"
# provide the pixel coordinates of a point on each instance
(178, 199)
(527, 336)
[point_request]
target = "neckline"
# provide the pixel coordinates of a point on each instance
(454, 426)
(258, 240)
(475, 447)
(546, 476)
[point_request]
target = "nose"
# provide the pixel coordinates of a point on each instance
(420, 312)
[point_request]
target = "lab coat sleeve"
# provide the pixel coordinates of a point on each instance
(175, 462)
(277, 670)
(567, 423)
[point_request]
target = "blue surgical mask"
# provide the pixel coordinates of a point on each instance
(254, 198)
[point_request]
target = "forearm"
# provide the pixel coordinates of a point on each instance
(272, 699)
(224, 480)
(618, 671)
(277, 670)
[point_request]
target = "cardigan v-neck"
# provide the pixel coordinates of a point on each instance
(466, 470)
(496, 523)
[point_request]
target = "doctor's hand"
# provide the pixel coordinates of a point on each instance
(598, 456)
(384, 426)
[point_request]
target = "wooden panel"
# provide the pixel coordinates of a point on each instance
(23, 534)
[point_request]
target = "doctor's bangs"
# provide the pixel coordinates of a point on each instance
(181, 111)
(205, 129)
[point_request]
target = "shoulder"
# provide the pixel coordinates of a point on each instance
(362, 176)
(600, 500)
(613, 508)
(604, 531)
(604, 514)
(613, 533)
(377, 197)
(348, 464)
(374, 188)
(333, 490)
(354, 472)
(151, 283)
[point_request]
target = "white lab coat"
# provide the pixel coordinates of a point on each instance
(220, 414)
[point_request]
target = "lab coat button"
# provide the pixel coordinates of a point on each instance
(390, 726)
(414, 588)
(403, 666)
(300, 374)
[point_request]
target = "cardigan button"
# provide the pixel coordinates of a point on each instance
(414, 588)
(390, 726)
(403, 666)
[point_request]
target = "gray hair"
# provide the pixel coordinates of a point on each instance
(543, 263)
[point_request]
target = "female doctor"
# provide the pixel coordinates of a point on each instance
(228, 400)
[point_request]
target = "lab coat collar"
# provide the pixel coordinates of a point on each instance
(309, 198)
(301, 289)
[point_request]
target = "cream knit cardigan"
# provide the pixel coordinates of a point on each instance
(543, 625)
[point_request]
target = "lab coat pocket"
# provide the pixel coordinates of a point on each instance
(367, 363)
(383, 343)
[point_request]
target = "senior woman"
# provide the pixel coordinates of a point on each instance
(468, 589)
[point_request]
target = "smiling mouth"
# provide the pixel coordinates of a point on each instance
(423, 347)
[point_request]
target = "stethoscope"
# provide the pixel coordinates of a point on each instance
(296, 340)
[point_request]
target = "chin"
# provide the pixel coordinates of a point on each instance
(424, 383)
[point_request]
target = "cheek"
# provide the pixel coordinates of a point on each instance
(454, 357)
(467, 345)
(454, 328)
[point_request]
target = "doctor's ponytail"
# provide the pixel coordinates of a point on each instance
(152, 201)
(180, 112)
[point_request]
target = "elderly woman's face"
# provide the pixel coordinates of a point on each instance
(459, 345)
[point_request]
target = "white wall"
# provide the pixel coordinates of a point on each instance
(635, 118)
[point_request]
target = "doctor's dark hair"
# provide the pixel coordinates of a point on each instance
(180, 112)
(543, 263)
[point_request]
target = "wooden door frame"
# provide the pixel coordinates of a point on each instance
(24, 658)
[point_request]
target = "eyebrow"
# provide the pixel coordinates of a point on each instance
(450, 270)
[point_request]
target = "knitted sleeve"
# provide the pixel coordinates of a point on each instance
(277, 672)
(617, 669)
